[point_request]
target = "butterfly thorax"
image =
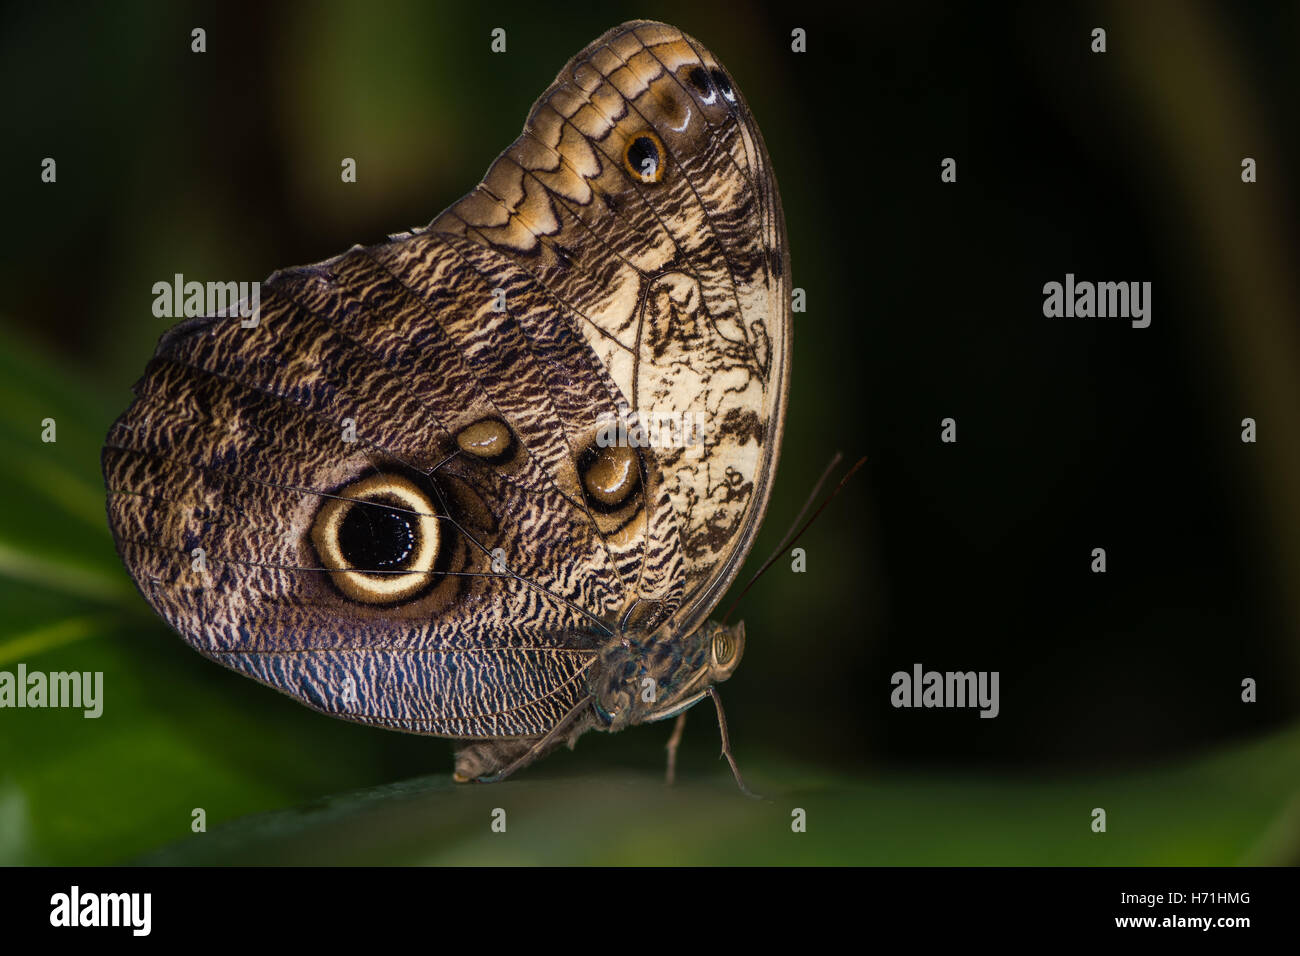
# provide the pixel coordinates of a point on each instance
(650, 675)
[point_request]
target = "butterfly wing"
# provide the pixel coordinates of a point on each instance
(641, 195)
(627, 250)
(238, 441)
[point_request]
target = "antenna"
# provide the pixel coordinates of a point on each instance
(792, 538)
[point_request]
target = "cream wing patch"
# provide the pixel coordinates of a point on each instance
(641, 196)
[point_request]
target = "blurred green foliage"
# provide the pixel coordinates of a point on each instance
(1169, 816)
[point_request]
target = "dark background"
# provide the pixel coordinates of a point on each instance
(924, 301)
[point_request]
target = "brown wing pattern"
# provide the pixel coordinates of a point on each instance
(624, 257)
(236, 439)
(680, 282)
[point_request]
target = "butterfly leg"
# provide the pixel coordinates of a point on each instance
(673, 743)
(489, 761)
(726, 746)
(482, 758)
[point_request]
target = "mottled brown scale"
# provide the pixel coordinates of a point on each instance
(428, 405)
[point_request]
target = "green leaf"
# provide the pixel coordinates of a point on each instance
(1241, 806)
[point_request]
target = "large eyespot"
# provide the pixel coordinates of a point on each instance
(645, 157)
(379, 539)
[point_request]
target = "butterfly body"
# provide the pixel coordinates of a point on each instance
(394, 496)
(639, 677)
(652, 676)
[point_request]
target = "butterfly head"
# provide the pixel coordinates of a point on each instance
(653, 675)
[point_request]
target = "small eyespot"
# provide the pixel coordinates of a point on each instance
(698, 77)
(379, 539)
(489, 440)
(645, 157)
(724, 85)
(610, 476)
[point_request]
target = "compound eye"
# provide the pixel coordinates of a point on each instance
(724, 648)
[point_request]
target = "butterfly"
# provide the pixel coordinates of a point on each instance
(487, 480)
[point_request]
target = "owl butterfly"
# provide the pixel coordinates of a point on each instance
(424, 491)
